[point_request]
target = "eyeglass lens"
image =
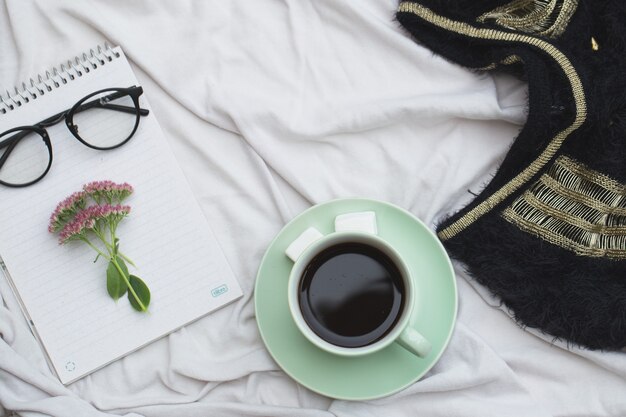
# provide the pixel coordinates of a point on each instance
(107, 121)
(27, 158)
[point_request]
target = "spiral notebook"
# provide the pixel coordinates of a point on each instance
(60, 289)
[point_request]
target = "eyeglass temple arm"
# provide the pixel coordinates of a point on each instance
(52, 120)
(118, 107)
(103, 103)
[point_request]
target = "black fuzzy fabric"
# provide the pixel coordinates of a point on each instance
(576, 298)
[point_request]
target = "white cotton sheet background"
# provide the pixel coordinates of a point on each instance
(270, 107)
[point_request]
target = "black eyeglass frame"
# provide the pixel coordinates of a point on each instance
(133, 92)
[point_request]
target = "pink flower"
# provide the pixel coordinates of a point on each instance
(89, 218)
(104, 212)
(65, 210)
(108, 191)
(77, 227)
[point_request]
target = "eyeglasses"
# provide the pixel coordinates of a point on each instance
(103, 120)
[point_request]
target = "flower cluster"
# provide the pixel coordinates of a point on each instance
(77, 228)
(88, 218)
(108, 191)
(77, 219)
(65, 210)
(72, 218)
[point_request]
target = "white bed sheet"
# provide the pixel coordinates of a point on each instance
(270, 107)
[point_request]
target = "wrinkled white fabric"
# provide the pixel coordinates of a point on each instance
(270, 107)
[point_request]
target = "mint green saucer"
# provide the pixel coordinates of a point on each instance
(381, 373)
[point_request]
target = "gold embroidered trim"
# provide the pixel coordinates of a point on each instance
(553, 146)
(568, 9)
(538, 17)
(588, 248)
(571, 216)
(577, 196)
(590, 175)
(576, 208)
(509, 60)
(529, 16)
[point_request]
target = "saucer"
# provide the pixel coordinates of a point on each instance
(381, 373)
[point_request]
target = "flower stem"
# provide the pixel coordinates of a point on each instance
(101, 237)
(94, 247)
(127, 259)
(111, 256)
(130, 288)
(112, 234)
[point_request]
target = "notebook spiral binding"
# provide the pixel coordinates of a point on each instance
(56, 77)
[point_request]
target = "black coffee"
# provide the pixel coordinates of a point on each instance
(351, 294)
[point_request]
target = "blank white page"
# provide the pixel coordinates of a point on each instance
(61, 290)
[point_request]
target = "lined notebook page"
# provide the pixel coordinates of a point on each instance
(61, 289)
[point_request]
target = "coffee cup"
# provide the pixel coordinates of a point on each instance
(350, 292)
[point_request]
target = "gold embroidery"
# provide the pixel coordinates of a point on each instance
(538, 17)
(589, 248)
(576, 208)
(509, 60)
(604, 182)
(553, 146)
(577, 196)
(594, 44)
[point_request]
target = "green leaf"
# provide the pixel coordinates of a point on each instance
(142, 291)
(122, 265)
(116, 285)
(116, 242)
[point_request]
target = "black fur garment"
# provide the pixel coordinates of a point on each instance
(548, 234)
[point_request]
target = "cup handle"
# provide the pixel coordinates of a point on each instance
(414, 342)
(298, 246)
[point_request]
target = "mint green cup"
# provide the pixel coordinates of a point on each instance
(310, 243)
